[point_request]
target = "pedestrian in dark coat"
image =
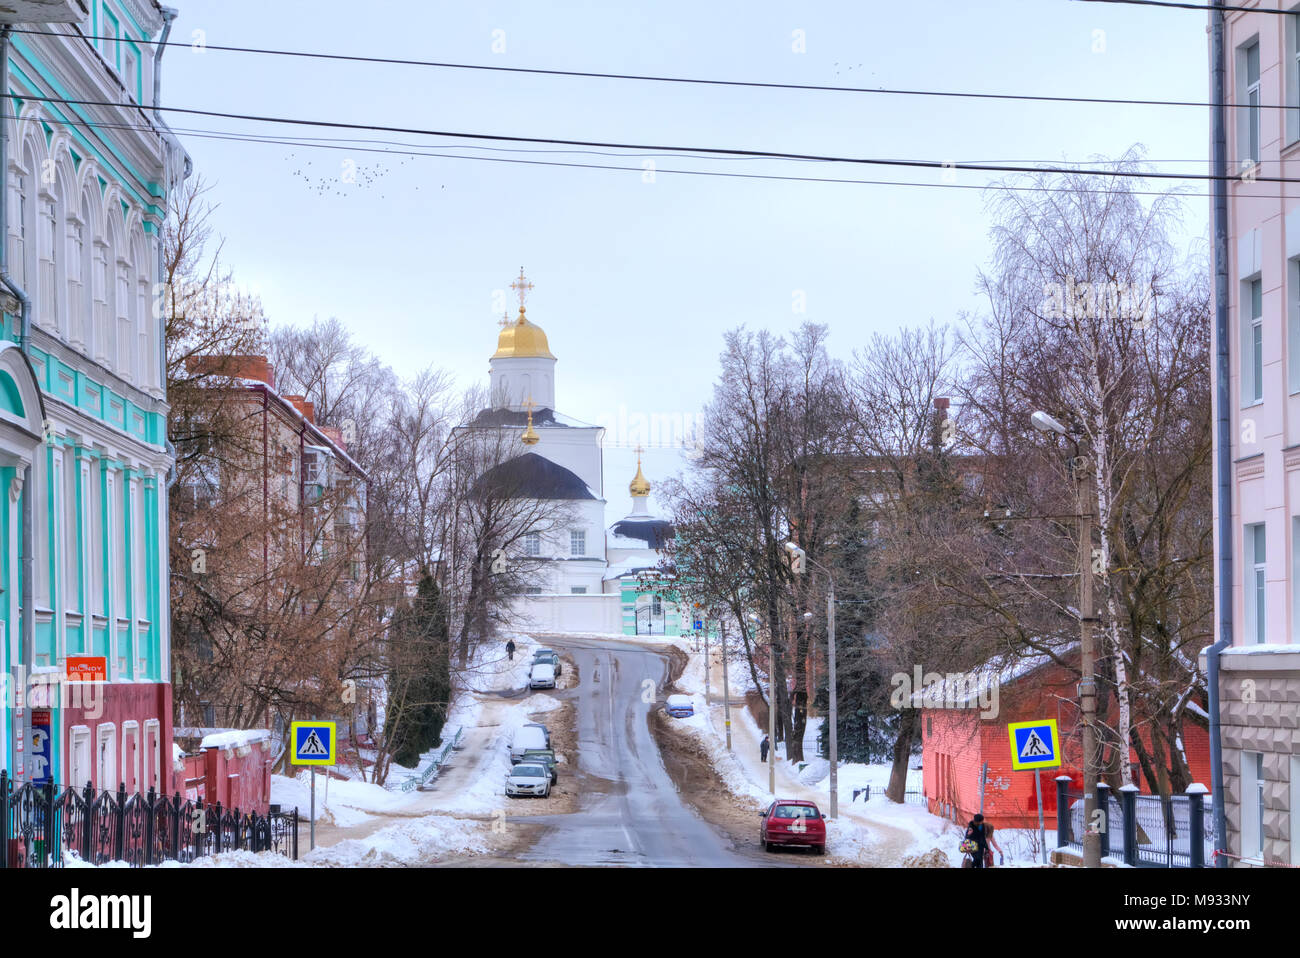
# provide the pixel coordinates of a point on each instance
(510, 649)
(763, 748)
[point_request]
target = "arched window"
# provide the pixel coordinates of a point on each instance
(30, 273)
(73, 240)
(105, 316)
(142, 316)
(46, 235)
(123, 295)
(90, 288)
(19, 185)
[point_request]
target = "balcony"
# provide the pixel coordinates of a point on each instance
(43, 11)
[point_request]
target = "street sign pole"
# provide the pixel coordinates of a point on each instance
(313, 807)
(1038, 794)
(984, 782)
(706, 670)
(726, 689)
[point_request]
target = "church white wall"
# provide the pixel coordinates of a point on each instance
(585, 515)
(577, 450)
(570, 613)
(523, 378)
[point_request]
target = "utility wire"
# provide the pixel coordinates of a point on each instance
(1202, 7)
(720, 152)
(653, 78)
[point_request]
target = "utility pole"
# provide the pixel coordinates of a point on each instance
(833, 718)
(771, 712)
(726, 688)
(1087, 682)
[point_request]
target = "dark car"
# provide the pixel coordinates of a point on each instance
(544, 756)
(790, 821)
(548, 657)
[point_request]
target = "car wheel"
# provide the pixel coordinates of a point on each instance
(819, 849)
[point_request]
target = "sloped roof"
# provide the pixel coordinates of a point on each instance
(531, 476)
(655, 533)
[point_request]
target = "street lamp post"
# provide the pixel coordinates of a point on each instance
(771, 705)
(1087, 669)
(798, 557)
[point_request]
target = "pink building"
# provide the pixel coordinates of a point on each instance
(1260, 674)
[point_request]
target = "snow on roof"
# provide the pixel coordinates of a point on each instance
(293, 410)
(956, 689)
(235, 738)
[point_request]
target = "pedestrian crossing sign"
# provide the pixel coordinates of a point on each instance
(313, 743)
(1034, 744)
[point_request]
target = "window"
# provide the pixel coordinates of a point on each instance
(71, 552)
(95, 527)
(1256, 602)
(106, 757)
(1252, 99)
(578, 590)
(1253, 360)
(131, 73)
(532, 544)
(532, 590)
(1253, 784)
(578, 542)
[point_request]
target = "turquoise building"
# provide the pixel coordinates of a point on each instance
(84, 459)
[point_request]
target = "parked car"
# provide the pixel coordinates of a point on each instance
(545, 756)
(528, 778)
(542, 676)
(679, 706)
(548, 656)
(527, 737)
(791, 821)
(545, 731)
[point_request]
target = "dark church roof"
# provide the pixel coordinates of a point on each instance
(509, 417)
(531, 476)
(655, 533)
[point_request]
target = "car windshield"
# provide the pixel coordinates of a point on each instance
(530, 771)
(537, 757)
(795, 811)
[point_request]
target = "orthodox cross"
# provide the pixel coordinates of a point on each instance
(504, 321)
(521, 286)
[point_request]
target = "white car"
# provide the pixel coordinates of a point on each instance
(527, 737)
(542, 676)
(527, 778)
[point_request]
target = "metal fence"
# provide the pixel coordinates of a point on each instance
(1151, 831)
(48, 826)
(912, 796)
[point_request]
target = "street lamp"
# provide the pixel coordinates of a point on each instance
(771, 707)
(797, 559)
(1087, 681)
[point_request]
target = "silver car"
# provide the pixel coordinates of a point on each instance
(528, 778)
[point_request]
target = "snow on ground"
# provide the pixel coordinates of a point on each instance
(340, 802)
(407, 843)
(881, 832)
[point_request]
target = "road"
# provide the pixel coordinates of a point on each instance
(631, 812)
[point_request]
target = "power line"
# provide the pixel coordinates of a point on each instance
(1202, 7)
(699, 81)
(720, 152)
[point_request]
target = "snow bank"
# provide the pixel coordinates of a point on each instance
(235, 738)
(338, 801)
(408, 843)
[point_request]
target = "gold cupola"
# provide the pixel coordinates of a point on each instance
(529, 436)
(522, 339)
(639, 487)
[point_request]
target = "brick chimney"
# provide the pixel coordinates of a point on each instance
(941, 403)
(237, 367)
(307, 409)
(335, 436)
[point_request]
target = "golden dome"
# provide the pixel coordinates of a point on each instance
(640, 485)
(522, 340)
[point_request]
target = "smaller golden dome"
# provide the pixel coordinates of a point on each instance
(530, 437)
(522, 340)
(640, 485)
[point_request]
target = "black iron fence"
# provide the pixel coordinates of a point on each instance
(1153, 831)
(48, 826)
(912, 796)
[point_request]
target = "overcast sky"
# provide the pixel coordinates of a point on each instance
(636, 281)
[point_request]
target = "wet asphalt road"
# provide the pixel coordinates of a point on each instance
(631, 813)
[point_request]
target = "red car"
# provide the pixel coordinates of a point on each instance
(791, 821)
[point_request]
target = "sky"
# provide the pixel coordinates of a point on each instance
(638, 273)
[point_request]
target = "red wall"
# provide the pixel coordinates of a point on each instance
(120, 703)
(222, 775)
(956, 742)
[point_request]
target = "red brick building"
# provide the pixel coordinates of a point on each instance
(957, 741)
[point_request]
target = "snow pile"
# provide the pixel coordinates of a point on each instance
(339, 802)
(409, 843)
(490, 670)
(235, 738)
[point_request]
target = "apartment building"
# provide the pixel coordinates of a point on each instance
(1260, 673)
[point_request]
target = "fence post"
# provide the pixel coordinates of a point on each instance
(217, 850)
(149, 803)
(88, 823)
(295, 833)
(176, 828)
(50, 829)
(5, 785)
(201, 836)
(239, 830)
(1128, 805)
(1062, 811)
(1196, 813)
(119, 827)
(1103, 802)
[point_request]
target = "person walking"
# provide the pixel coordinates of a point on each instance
(981, 834)
(510, 649)
(763, 748)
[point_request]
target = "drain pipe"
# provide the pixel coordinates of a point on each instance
(1223, 425)
(27, 627)
(169, 14)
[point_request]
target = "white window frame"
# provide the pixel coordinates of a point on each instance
(1252, 342)
(1251, 151)
(131, 735)
(78, 775)
(532, 543)
(105, 757)
(154, 727)
(1256, 591)
(577, 542)
(577, 590)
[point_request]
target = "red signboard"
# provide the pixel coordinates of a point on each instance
(87, 668)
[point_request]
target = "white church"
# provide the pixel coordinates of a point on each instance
(596, 578)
